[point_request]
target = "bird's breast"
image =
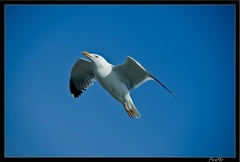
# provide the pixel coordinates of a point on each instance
(113, 85)
(102, 72)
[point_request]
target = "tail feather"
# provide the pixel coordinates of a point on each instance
(134, 110)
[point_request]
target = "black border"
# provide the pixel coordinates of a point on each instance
(64, 2)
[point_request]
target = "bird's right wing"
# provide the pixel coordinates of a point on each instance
(81, 78)
(133, 74)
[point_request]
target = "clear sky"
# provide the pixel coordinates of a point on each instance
(189, 48)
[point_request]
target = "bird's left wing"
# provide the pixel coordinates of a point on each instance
(81, 78)
(132, 73)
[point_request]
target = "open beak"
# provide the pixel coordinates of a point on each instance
(87, 54)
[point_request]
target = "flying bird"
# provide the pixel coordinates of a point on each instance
(118, 80)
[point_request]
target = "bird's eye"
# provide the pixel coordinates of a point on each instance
(96, 56)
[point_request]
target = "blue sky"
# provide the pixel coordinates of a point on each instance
(189, 48)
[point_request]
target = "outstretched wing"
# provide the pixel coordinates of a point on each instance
(81, 78)
(133, 74)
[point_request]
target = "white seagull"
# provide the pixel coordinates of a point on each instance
(118, 80)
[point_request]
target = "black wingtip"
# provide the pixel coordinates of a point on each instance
(170, 91)
(164, 86)
(174, 95)
(74, 91)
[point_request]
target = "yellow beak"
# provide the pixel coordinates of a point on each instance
(87, 54)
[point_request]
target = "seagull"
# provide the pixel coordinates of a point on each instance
(118, 80)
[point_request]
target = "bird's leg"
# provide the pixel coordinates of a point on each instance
(130, 113)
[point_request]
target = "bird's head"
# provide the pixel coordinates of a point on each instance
(96, 60)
